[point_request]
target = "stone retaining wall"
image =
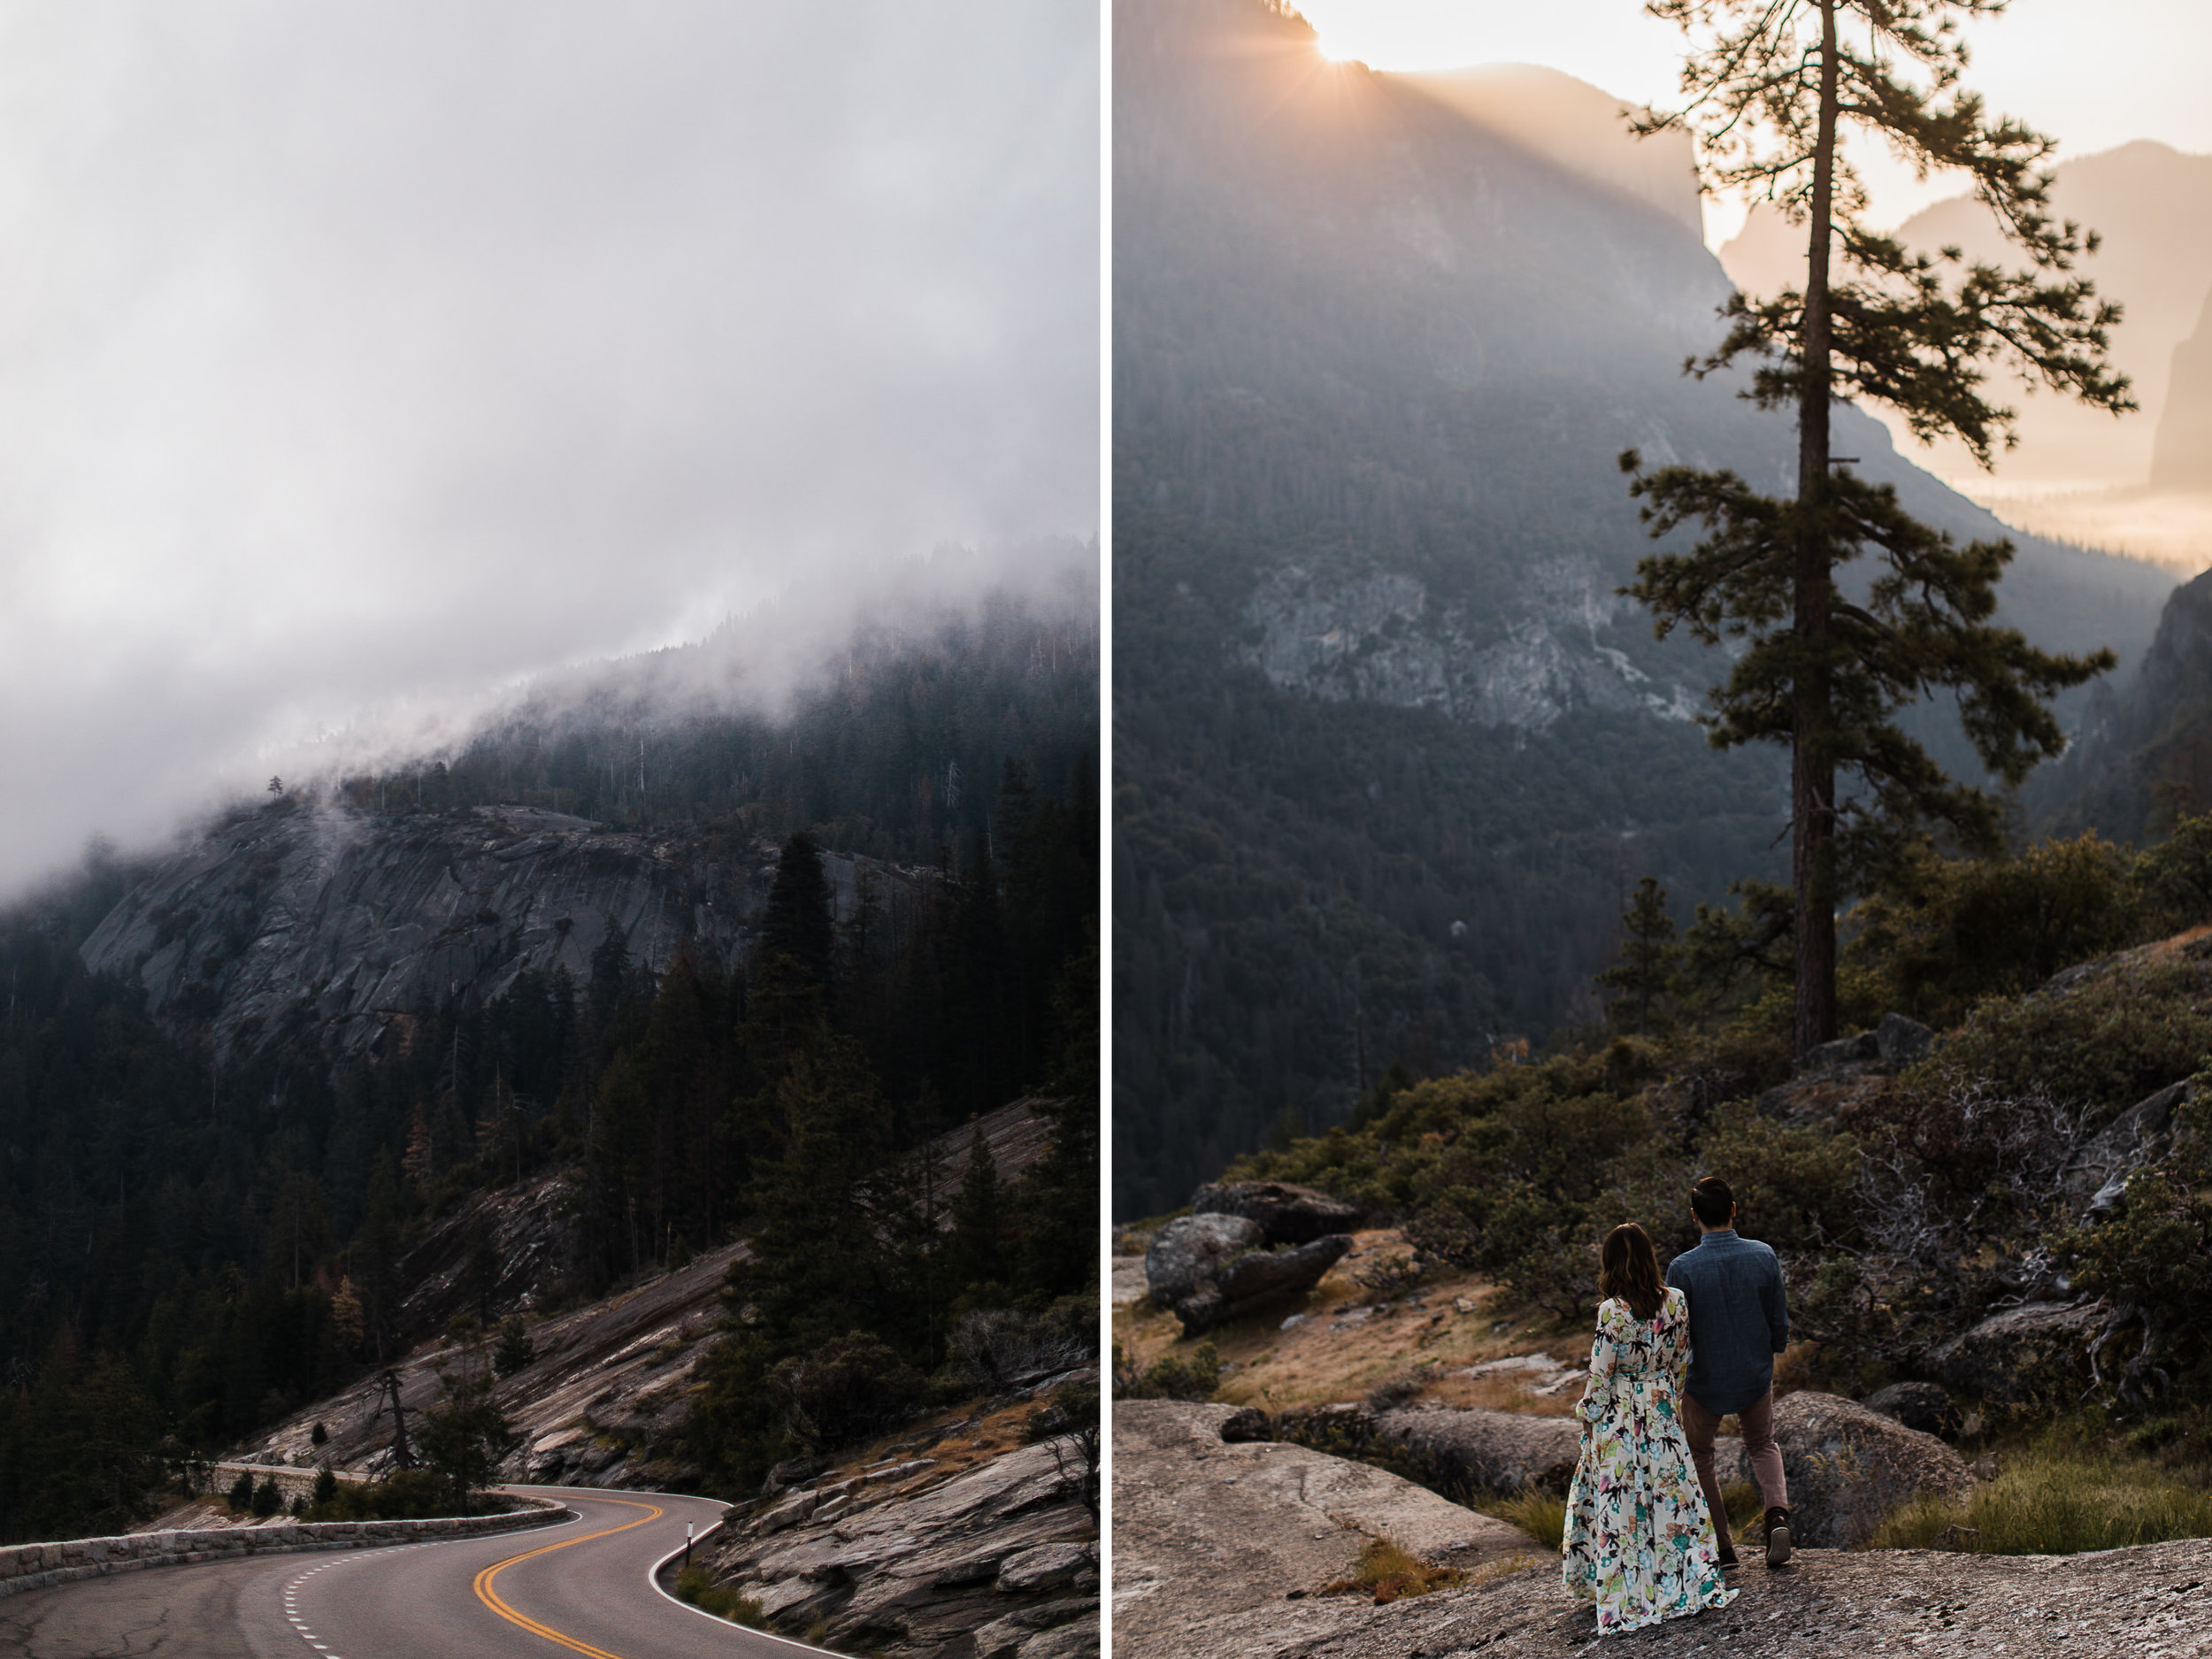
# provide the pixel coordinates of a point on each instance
(292, 1480)
(34, 1566)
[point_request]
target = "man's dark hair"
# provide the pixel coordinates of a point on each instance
(1712, 1201)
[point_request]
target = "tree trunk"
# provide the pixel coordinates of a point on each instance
(1813, 766)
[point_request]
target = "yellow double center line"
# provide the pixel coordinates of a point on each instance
(490, 1597)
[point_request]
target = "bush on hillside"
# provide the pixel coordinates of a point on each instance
(1941, 934)
(2173, 880)
(844, 1391)
(1171, 1376)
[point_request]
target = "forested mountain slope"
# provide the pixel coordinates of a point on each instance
(1389, 746)
(289, 1055)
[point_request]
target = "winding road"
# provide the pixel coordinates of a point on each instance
(582, 1587)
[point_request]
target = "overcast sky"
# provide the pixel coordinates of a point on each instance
(2093, 75)
(359, 355)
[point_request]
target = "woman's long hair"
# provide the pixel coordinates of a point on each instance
(1628, 1268)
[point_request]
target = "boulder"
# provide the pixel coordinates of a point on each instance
(1287, 1214)
(1484, 1451)
(2139, 1137)
(1848, 1467)
(1901, 1042)
(1210, 1269)
(2035, 1353)
(1842, 1055)
(1457, 1452)
(1924, 1406)
(1190, 1251)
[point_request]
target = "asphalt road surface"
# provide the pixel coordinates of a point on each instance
(582, 1587)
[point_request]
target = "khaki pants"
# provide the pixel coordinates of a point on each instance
(1699, 1427)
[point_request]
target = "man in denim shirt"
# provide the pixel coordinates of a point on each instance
(1738, 1323)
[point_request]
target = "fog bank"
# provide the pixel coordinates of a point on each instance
(364, 361)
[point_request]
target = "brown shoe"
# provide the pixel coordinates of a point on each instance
(1777, 1536)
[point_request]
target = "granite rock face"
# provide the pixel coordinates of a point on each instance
(1205, 1528)
(1288, 1213)
(1190, 1252)
(600, 1403)
(925, 1561)
(344, 919)
(1489, 1451)
(1219, 1548)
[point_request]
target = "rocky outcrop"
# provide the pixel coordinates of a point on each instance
(1191, 1250)
(2136, 1139)
(1462, 1451)
(1924, 1406)
(1209, 1269)
(1206, 1528)
(1483, 1451)
(1286, 1213)
(1847, 1467)
(917, 1559)
(1217, 1550)
(2036, 1353)
(1835, 1074)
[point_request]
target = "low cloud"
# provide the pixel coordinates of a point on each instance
(362, 361)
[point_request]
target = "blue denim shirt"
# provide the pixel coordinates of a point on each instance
(1737, 1319)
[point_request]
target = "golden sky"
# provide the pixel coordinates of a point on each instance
(2093, 74)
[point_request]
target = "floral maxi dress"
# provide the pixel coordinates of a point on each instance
(1638, 1541)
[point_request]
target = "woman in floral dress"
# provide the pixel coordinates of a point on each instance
(1638, 1541)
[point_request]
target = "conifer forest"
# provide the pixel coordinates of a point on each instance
(200, 1232)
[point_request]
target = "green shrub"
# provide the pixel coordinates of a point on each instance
(2173, 880)
(266, 1499)
(515, 1350)
(241, 1494)
(1171, 1376)
(2055, 1500)
(1942, 934)
(696, 1586)
(1796, 1186)
(2104, 1044)
(843, 1391)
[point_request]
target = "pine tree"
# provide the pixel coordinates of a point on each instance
(1645, 969)
(1772, 85)
(796, 921)
(976, 1218)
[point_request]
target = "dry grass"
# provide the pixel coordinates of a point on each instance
(1541, 1515)
(1315, 1363)
(2058, 1500)
(1388, 1571)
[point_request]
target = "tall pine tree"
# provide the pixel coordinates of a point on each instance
(1772, 87)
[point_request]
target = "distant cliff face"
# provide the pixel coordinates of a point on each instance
(345, 921)
(2157, 732)
(2182, 458)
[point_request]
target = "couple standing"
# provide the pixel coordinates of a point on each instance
(1640, 1540)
